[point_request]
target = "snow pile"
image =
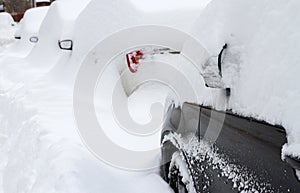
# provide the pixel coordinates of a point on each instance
(260, 64)
(41, 151)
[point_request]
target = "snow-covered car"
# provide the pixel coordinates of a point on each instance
(56, 33)
(30, 24)
(6, 20)
(26, 33)
(256, 148)
(204, 149)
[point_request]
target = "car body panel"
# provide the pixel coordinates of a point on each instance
(252, 147)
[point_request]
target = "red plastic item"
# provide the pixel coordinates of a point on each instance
(133, 60)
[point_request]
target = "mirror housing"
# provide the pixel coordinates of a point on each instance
(65, 44)
(34, 39)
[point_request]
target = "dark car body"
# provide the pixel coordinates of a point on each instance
(245, 154)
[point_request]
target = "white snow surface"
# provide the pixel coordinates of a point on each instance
(40, 148)
(28, 27)
(261, 64)
(7, 29)
(167, 5)
(6, 20)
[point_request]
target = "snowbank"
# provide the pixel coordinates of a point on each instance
(41, 151)
(262, 67)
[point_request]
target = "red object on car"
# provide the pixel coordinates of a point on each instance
(133, 60)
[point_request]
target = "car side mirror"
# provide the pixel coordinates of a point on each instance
(33, 39)
(65, 44)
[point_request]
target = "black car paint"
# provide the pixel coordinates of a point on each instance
(249, 143)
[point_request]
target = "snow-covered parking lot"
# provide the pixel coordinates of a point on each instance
(48, 142)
